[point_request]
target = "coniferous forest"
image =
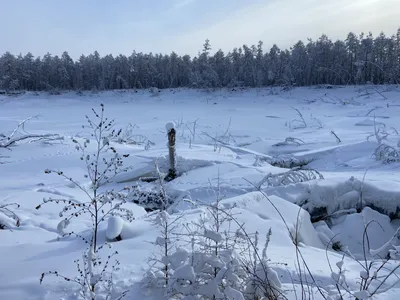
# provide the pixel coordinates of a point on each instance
(359, 59)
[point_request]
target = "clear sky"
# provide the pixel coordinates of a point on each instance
(162, 26)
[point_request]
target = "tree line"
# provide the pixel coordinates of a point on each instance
(359, 59)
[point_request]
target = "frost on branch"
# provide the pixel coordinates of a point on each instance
(212, 268)
(290, 177)
(8, 216)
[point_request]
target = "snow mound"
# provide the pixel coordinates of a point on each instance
(6, 221)
(275, 209)
(349, 230)
(114, 228)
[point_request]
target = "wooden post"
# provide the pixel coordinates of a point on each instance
(172, 151)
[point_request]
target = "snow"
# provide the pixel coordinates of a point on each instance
(233, 294)
(356, 189)
(185, 272)
(114, 228)
(169, 126)
(361, 295)
(177, 258)
(379, 228)
(369, 122)
(273, 209)
(212, 235)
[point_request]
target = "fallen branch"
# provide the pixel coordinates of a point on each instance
(336, 136)
(5, 210)
(19, 134)
(9, 142)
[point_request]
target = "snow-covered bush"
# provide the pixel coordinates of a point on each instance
(218, 261)
(290, 177)
(206, 276)
(160, 265)
(387, 154)
(212, 260)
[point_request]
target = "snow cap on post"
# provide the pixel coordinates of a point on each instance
(169, 126)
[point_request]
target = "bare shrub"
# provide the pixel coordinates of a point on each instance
(212, 267)
(102, 167)
(19, 135)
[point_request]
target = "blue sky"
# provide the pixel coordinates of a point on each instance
(162, 26)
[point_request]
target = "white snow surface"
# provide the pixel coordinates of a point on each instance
(169, 126)
(246, 125)
(114, 228)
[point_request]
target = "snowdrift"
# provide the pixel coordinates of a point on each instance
(327, 197)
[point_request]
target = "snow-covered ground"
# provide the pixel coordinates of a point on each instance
(224, 138)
